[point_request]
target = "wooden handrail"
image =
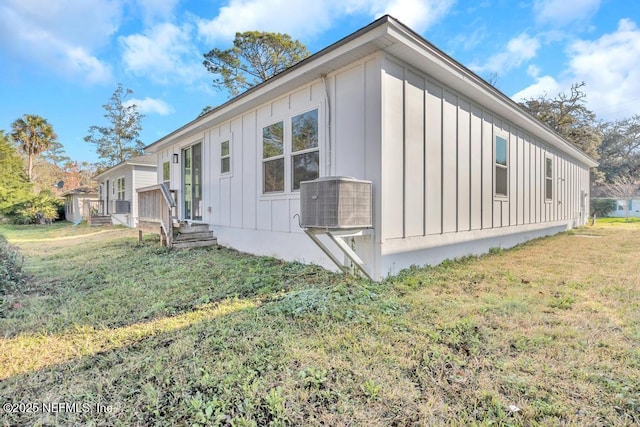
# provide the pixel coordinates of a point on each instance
(155, 204)
(93, 208)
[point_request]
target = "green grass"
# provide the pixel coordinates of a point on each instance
(612, 220)
(544, 334)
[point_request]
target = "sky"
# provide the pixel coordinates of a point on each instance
(63, 59)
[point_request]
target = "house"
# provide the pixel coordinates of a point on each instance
(117, 188)
(626, 207)
(456, 167)
(79, 203)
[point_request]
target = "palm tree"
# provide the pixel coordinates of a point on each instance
(35, 135)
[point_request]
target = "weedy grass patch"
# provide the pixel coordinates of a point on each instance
(542, 334)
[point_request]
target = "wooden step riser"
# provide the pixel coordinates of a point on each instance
(194, 244)
(198, 228)
(193, 236)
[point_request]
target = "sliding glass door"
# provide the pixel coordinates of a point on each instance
(192, 182)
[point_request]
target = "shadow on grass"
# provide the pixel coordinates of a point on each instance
(117, 282)
(28, 353)
(124, 376)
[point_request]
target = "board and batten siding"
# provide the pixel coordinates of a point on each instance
(438, 167)
(349, 114)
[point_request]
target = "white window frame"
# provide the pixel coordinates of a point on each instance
(121, 193)
(228, 157)
(548, 179)
(280, 156)
(166, 181)
(292, 153)
(497, 165)
(288, 153)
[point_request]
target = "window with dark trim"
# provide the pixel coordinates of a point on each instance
(501, 167)
(548, 178)
(225, 157)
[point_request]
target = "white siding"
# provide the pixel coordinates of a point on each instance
(433, 163)
(454, 169)
(428, 150)
(449, 162)
(393, 153)
(414, 155)
(234, 202)
(464, 166)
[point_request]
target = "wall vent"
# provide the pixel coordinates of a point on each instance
(335, 203)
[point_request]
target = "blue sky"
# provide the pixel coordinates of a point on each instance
(62, 59)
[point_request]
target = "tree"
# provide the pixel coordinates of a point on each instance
(15, 187)
(34, 135)
(205, 110)
(117, 141)
(56, 155)
(620, 149)
(254, 57)
(568, 115)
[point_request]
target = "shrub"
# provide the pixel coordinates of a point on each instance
(602, 207)
(11, 276)
(41, 208)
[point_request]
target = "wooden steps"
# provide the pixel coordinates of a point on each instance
(192, 236)
(99, 220)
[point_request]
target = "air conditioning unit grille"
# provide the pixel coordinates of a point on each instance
(123, 207)
(335, 202)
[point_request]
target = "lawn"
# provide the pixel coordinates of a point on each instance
(107, 331)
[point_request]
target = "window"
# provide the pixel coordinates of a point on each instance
(287, 163)
(121, 188)
(166, 174)
(548, 178)
(273, 158)
(225, 157)
(305, 157)
(501, 172)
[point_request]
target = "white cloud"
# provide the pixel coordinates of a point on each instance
(60, 36)
(563, 12)
(417, 14)
(306, 19)
(164, 53)
(610, 67)
(150, 106)
(157, 10)
(518, 50)
(468, 41)
(544, 85)
(83, 64)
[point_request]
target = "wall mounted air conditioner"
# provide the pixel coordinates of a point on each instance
(335, 203)
(123, 207)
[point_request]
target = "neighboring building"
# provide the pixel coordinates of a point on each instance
(79, 203)
(117, 188)
(631, 203)
(457, 167)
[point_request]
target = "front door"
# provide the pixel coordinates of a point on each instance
(192, 182)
